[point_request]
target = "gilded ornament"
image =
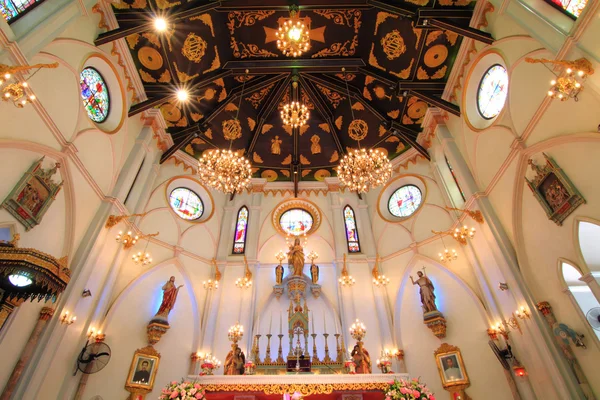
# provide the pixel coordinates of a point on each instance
(419, 2)
(182, 122)
(382, 130)
(418, 32)
(432, 36)
(334, 157)
(222, 95)
(207, 20)
(381, 17)
(373, 59)
(348, 48)
(249, 50)
(257, 158)
(315, 147)
(198, 141)
(350, 17)
(251, 123)
(245, 18)
(266, 128)
(306, 172)
(170, 112)
(194, 47)
(231, 107)
(321, 174)
(304, 160)
(380, 93)
(393, 45)
(287, 160)
(164, 4)
(150, 58)
(216, 63)
(146, 77)
(276, 145)
(306, 389)
(436, 55)
(269, 175)
(189, 149)
(132, 40)
(367, 94)
(182, 76)
(358, 106)
(232, 129)
(400, 148)
(382, 150)
(338, 122)
(392, 139)
(417, 110)
(257, 97)
(346, 77)
(306, 101)
(325, 127)
(455, 2)
(422, 74)
(165, 76)
(303, 129)
(405, 73)
(152, 38)
(285, 172)
(440, 73)
(288, 130)
(451, 36)
(208, 133)
(196, 117)
(358, 129)
(334, 97)
(393, 114)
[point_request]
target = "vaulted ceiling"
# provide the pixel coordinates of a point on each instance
(395, 68)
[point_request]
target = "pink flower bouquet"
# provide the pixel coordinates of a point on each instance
(182, 390)
(408, 390)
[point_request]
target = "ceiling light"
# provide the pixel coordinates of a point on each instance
(182, 95)
(160, 24)
(294, 114)
(20, 280)
(293, 36)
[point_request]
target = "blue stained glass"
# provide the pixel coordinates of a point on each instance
(296, 221)
(186, 204)
(492, 91)
(351, 230)
(94, 94)
(405, 201)
(239, 240)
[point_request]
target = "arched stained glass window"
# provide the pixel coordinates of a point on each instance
(351, 230)
(296, 221)
(94, 94)
(11, 10)
(455, 179)
(405, 201)
(492, 91)
(241, 226)
(572, 8)
(186, 203)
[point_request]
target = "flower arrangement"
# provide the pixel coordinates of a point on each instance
(350, 366)
(408, 390)
(183, 390)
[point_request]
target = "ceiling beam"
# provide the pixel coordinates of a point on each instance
(142, 21)
(320, 65)
(449, 20)
(395, 83)
(436, 101)
(187, 137)
(396, 9)
(409, 136)
(284, 5)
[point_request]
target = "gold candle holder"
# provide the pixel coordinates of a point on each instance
(326, 358)
(314, 356)
(268, 355)
(280, 350)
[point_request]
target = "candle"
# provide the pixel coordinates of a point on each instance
(336, 327)
(312, 318)
(280, 322)
(324, 322)
(258, 325)
(270, 322)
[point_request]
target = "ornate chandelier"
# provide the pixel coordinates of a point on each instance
(235, 332)
(361, 170)
(293, 36)
(569, 82)
(246, 281)
(294, 114)
(463, 233)
(379, 279)
(226, 170)
(358, 330)
(213, 284)
(346, 279)
(15, 90)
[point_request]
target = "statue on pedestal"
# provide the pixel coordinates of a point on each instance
(296, 258)
(234, 362)
(426, 291)
(314, 273)
(279, 274)
(170, 292)
(361, 358)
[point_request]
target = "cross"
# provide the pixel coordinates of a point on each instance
(424, 273)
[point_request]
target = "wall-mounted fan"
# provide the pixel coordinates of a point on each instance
(593, 317)
(503, 355)
(93, 358)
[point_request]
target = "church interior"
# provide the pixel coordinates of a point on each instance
(330, 200)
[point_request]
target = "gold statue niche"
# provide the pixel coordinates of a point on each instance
(298, 326)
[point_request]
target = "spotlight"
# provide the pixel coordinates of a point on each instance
(160, 24)
(182, 95)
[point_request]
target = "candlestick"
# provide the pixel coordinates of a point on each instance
(326, 359)
(336, 327)
(257, 350)
(312, 319)
(280, 322)
(324, 322)
(270, 322)
(258, 324)
(268, 355)
(280, 351)
(338, 351)
(314, 356)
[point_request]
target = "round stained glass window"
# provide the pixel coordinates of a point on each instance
(186, 203)
(296, 221)
(94, 94)
(492, 91)
(405, 201)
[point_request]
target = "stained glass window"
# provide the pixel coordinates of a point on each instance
(94, 94)
(351, 230)
(239, 240)
(492, 91)
(186, 203)
(405, 201)
(455, 180)
(572, 8)
(296, 221)
(11, 9)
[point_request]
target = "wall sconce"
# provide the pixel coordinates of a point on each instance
(127, 239)
(115, 219)
(501, 329)
(570, 78)
(513, 322)
(492, 333)
(17, 90)
(86, 293)
(66, 319)
(93, 335)
(462, 234)
(523, 313)
(475, 215)
(502, 286)
(399, 354)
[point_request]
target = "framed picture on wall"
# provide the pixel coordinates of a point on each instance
(142, 371)
(451, 366)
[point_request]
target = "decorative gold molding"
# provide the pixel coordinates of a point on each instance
(306, 389)
(302, 204)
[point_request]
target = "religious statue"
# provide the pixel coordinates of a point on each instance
(314, 273)
(279, 274)
(427, 296)
(556, 195)
(361, 358)
(169, 297)
(315, 147)
(276, 145)
(234, 362)
(296, 258)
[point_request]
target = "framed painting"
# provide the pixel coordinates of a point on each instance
(451, 366)
(142, 371)
(32, 196)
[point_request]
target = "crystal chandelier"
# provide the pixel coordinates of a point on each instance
(346, 279)
(16, 90)
(294, 114)
(379, 279)
(236, 332)
(361, 170)
(293, 36)
(358, 330)
(569, 82)
(226, 170)
(246, 281)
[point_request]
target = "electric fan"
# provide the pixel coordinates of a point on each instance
(93, 358)
(593, 317)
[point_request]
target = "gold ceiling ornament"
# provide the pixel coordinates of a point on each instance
(226, 170)
(346, 279)
(246, 281)
(475, 215)
(569, 80)
(16, 90)
(393, 45)
(361, 170)
(293, 37)
(294, 114)
(113, 220)
(213, 284)
(379, 279)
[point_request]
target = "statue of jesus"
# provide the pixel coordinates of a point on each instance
(427, 295)
(169, 297)
(296, 258)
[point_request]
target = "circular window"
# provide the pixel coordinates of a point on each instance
(405, 201)
(94, 94)
(186, 203)
(492, 91)
(296, 221)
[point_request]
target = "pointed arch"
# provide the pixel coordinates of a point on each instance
(351, 230)
(241, 228)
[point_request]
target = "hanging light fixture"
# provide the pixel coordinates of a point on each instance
(246, 281)
(226, 170)
(346, 279)
(361, 170)
(379, 279)
(144, 257)
(294, 114)
(293, 37)
(447, 255)
(569, 81)
(213, 284)
(358, 330)
(463, 233)
(16, 90)
(236, 332)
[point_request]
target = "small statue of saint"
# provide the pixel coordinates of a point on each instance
(279, 274)
(276, 145)
(234, 362)
(315, 147)
(169, 297)
(361, 358)
(314, 273)
(296, 258)
(427, 295)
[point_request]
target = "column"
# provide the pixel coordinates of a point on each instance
(45, 314)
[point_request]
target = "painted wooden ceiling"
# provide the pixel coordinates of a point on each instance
(209, 49)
